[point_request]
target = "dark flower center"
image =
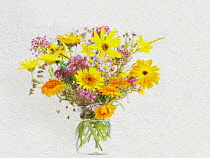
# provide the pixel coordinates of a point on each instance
(105, 46)
(144, 72)
(90, 79)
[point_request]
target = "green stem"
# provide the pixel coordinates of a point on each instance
(32, 75)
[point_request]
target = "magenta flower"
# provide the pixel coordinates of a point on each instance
(98, 30)
(75, 64)
(125, 53)
(132, 81)
(39, 45)
(86, 97)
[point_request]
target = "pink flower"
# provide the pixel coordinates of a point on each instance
(98, 30)
(132, 81)
(125, 53)
(39, 45)
(75, 64)
(86, 97)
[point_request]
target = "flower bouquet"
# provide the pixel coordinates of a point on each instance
(91, 70)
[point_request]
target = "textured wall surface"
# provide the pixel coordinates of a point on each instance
(172, 120)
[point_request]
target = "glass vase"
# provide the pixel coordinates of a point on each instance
(92, 135)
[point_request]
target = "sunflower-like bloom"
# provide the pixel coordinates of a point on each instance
(29, 64)
(49, 58)
(145, 74)
(144, 46)
(52, 87)
(70, 39)
(111, 91)
(105, 44)
(89, 79)
(105, 111)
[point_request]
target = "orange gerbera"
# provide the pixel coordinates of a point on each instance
(104, 112)
(52, 87)
(110, 91)
(119, 82)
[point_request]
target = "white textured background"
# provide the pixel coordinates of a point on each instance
(172, 120)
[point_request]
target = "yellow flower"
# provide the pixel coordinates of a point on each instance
(105, 44)
(143, 46)
(57, 49)
(145, 74)
(111, 91)
(29, 64)
(89, 79)
(140, 91)
(70, 39)
(123, 75)
(49, 58)
(105, 111)
(60, 50)
(87, 49)
(52, 87)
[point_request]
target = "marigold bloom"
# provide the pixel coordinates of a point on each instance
(104, 112)
(110, 91)
(144, 46)
(89, 79)
(119, 82)
(52, 87)
(145, 74)
(70, 39)
(29, 64)
(105, 44)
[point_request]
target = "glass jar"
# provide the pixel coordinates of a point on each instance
(92, 134)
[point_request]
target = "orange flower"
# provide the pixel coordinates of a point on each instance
(104, 112)
(110, 91)
(119, 82)
(52, 87)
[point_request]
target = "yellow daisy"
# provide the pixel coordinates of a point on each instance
(105, 111)
(60, 50)
(87, 49)
(89, 79)
(145, 74)
(70, 39)
(49, 58)
(143, 46)
(52, 87)
(104, 44)
(29, 64)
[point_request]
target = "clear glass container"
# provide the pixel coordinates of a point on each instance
(92, 135)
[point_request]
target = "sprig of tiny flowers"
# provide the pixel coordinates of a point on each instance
(92, 69)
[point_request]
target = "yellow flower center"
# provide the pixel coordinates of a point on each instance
(106, 67)
(105, 60)
(105, 46)
(144, 72)
(90, 61)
